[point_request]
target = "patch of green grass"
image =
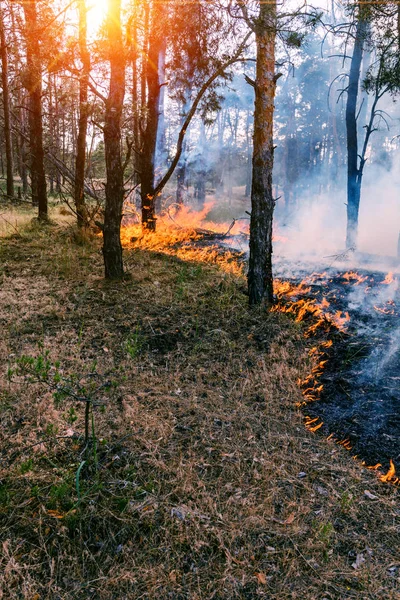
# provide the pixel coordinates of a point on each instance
(4, 495)
(133, 344)
(26, 466)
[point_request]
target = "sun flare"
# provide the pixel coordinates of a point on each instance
(97, 13)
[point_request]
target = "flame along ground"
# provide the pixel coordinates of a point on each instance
(296, 300)
(177, 230)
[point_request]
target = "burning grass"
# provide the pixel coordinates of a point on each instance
(205, 483)
(332, 332)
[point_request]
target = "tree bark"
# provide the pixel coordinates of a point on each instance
(112, 247)
(7, 108)
(134, 56)
(34, 87)
(260, 281)
(147, 178)
(354, 175)
(182, 164)
(80, 162)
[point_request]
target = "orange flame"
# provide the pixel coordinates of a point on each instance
(384, 311)
(388, 279)
(390, 475)
(354, 277)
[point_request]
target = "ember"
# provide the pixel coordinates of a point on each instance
(389, 279)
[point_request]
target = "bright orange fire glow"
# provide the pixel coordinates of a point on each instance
(312, 424)
(385, 311)
(390, 475)
(388, 279)
(176, 231)
(353, 277)
(179, 226)
(304, 308)
(186, 218)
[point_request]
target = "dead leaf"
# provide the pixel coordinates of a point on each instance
(172, 576)
(290, 519)
(55, 514)
(262, 578)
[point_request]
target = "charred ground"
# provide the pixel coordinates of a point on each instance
(358, 399)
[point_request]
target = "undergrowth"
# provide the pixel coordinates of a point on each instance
(201, 481)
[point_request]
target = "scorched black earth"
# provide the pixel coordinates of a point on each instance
(360, 400)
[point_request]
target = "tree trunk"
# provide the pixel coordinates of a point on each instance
(134, 56)
(147, 179)
(353, 173)
(260, 281)
(7, 108)
(34, 87)
(161, 144)
(249, 166)
(112, 248)
(80, 162)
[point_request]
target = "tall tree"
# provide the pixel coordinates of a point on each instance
(6, 107)
(154, 72)
(260, 280)
(112, 248)
(354, 174)
(80, 162)
(33, 83)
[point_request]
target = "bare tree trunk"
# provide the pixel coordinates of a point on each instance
(147, 178)
(80, 162)
(353, 172)
(112, 248)
(161, 152)
(134, 56)
(153, 79)
(249, 166)
(260, 281)
(182, 164)
(34, 86)
(7, 108)
(145, 52)
(23, 154)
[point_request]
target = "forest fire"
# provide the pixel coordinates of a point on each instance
(351, 393)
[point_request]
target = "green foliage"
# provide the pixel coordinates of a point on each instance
(386, 78)
(51, 430)
(71, 415)
(134, 343)
(26, 466)
(325, 533)
(77, 479)
(346, 501)
(4, 495)
(294, 39)
(89, 389)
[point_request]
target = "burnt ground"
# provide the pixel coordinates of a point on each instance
(360, 402)
(201, 482)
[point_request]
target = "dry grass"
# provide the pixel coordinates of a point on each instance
(15, 219)
(208, 485)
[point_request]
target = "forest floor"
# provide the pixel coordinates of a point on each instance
(203, 482)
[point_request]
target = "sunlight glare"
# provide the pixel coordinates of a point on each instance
(97, 13)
